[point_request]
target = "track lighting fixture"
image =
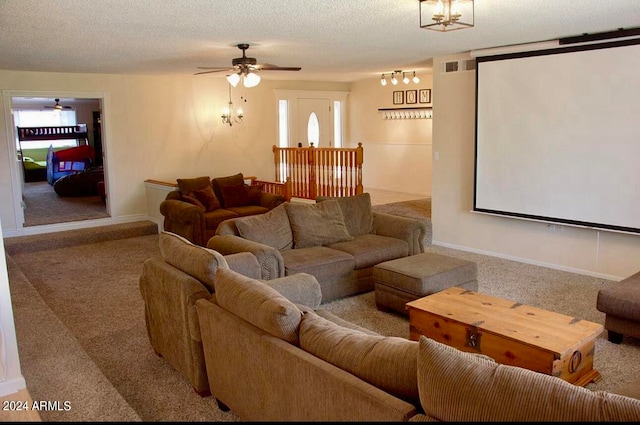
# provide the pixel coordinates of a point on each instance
(394, 80)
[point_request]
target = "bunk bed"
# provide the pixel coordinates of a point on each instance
(52, 163)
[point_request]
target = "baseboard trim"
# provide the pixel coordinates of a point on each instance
(528, 261)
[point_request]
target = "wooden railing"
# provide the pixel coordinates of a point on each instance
(279, 188)
(314, 172)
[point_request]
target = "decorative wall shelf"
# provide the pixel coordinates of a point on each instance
(424, 112)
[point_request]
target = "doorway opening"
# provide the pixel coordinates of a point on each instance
(58, 159)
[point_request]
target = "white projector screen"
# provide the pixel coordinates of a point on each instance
(558, 135)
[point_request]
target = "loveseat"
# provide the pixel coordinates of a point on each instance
(200, 204)
(270, 358)
(337, 240)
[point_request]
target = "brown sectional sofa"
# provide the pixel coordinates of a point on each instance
(337, 240)
(270, 359)
(267, 350)
(200, 204)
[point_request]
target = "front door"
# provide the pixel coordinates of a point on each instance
(314, 123)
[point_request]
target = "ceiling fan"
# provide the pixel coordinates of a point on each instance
(245, 68)
(58, 106)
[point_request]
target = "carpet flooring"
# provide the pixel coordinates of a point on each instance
(81, 335)
(44, 206)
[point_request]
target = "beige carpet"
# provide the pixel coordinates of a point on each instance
(81, 335)
(419, 208)
(44, 206)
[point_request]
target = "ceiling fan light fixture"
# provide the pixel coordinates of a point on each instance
(251, 79)
(233, 79)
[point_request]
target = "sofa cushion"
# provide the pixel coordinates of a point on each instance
(316, 224)
(389, 363)
(201, 263)
(369, 250)
(219, 182)
(459, 386)
(326, 264)
(271, 228)
(235, 195)
(186, 186)
(206, 196)
(357, 213)
(255, 194)
(258, 304)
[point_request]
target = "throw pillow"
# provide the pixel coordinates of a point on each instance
(219, 182)
(255, 194)
(358, 216)
(186, 186)
(258, 304)
(208, 199)
(316, 224)
(192, 199)
(459, 386)
(236, 195)
(271, 228)
(389, 363)
(201, 263)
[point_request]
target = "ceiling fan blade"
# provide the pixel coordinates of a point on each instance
(221, 68)
(279, 68)
(215, 70)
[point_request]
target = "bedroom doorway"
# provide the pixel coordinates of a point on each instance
(57, 188)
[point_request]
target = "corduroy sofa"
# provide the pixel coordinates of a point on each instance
(337, 240)
(269, 358)
(200, 204)
(170, 285)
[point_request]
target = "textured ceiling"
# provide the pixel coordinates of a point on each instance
(332, 40)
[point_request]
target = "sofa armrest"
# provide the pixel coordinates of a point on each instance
(184, 219)
(244, 263)
(411, 230)
(270, 260)
(299, 288)
(270, 200)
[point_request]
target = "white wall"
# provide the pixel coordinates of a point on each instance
(11, 379)
(163, 128)
(599, 253)
(397, 153)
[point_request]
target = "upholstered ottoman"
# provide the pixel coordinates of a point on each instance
(405, 279)
(620, 301)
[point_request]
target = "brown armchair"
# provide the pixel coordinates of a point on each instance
(200, 204)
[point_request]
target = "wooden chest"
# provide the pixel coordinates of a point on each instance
(509, 332)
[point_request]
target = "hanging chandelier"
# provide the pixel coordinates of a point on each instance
(446, 15)
(228, 116)
(405, 77)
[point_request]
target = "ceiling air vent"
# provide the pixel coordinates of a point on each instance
(457, 66)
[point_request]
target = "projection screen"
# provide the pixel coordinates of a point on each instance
(558, 135)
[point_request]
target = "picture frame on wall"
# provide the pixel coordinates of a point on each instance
(411, 96)
(398, 97)
(424, 96)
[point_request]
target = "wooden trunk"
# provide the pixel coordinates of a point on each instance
(509, 332)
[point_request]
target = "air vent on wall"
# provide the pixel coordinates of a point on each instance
(457, 66)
